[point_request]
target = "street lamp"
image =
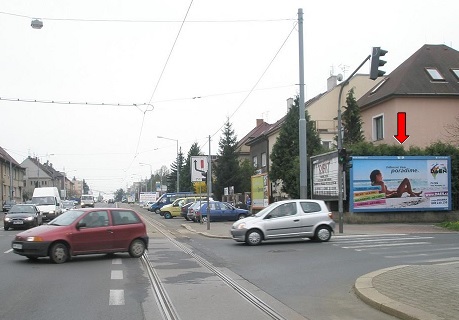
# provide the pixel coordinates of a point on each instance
(178, 169)
(151, 174)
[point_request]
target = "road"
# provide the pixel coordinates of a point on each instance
(203, 277)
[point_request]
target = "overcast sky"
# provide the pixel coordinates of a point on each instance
(121, 73)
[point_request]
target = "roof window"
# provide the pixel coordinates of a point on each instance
(455, 71)
(378, 86)
(434, 74)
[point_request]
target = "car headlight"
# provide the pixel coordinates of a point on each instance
(34, 239)
(29, 218)
(7, 219)
(241, 226)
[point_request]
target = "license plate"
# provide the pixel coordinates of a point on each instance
(17, 246)
(18, 222)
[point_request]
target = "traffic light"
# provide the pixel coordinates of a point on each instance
(376, 62)
(344, 158)
(342, 155)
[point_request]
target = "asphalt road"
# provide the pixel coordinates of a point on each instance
(313, 279)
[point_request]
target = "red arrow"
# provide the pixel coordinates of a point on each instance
(401, 135)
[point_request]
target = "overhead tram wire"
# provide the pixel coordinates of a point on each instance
(258, 81)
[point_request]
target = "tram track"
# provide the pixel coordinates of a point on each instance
(165, 303)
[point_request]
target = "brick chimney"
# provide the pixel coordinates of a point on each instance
(259, 122)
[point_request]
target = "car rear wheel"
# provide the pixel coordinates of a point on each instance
(253, 237)
(323, 234)
(187, 219)
(59, 253)
(203, 219)
(167, 215)
(137, 248)
(157, 211)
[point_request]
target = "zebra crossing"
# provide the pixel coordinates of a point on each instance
(409, 247)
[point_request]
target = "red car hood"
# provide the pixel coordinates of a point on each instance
(42, 231)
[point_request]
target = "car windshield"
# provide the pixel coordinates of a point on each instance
(43, 200)
(265, 210)
(21, 209)
(66, 218)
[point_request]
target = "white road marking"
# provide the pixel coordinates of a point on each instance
(385, 245)
(117, 261)
(116, 298)
(381, 240)
(117, 275)
(8, 251)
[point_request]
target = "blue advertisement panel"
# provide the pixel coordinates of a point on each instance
(401, 183)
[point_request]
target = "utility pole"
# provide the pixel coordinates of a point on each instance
(302, 121)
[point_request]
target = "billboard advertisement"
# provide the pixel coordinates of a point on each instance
(400, 183)
(260, 191)
(325, 176)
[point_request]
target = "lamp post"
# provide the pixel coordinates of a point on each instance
(151, 174)
(178, 169)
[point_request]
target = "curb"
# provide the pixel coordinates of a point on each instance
(205, 234)
(365, 290)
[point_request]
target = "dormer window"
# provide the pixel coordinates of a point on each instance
(435, 75)
(456, 73)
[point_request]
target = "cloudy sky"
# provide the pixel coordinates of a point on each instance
(94, 88)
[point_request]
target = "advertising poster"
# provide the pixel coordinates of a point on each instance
(260, 191)
(400, 183)
(325, 176)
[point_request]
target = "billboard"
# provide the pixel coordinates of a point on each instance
(260, 191)
(325, 176)
(400, 183)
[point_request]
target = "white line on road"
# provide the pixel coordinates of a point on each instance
(386, 245)
(116, 298)
(117, 275)
(8, 251)
(381, 240)
(117, 261)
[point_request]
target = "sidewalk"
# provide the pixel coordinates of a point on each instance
(424, 292)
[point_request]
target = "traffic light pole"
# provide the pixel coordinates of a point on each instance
(340, 146)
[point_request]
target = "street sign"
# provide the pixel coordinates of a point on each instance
(199, 167)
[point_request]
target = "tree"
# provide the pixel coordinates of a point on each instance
(119, 195)
(352, 121)
(85, 187)
(285, 153)
(172, 177)
(185, 174)
(226, 170)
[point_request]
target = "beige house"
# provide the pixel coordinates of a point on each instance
(11, 178)
(426, 88)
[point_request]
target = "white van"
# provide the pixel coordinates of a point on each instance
(48, 201)
(87, 200)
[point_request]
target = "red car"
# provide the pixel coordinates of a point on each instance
(85, 231)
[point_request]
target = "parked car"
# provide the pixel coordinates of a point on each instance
(7, 204)
(219, 211)
(184, 210)
(174, 209)
(84, 231)
(22, 216)
(286, 219)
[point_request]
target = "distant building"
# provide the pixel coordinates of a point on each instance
(11, 178)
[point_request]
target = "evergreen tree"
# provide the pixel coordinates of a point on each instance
(285, 153)
(352, 121)
(85, 187)
(226, 170)
(172, 177)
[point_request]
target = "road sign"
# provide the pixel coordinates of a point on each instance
(199, 168)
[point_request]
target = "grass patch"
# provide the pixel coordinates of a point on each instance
(450, 225)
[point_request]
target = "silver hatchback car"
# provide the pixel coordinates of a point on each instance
(300, 218)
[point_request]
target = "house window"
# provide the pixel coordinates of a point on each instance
(434, 74)
(255, 162)
(378, 128)
(455, 72)
(263, 159)
(327, 144)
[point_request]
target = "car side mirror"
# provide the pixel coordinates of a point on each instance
(81, 225)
